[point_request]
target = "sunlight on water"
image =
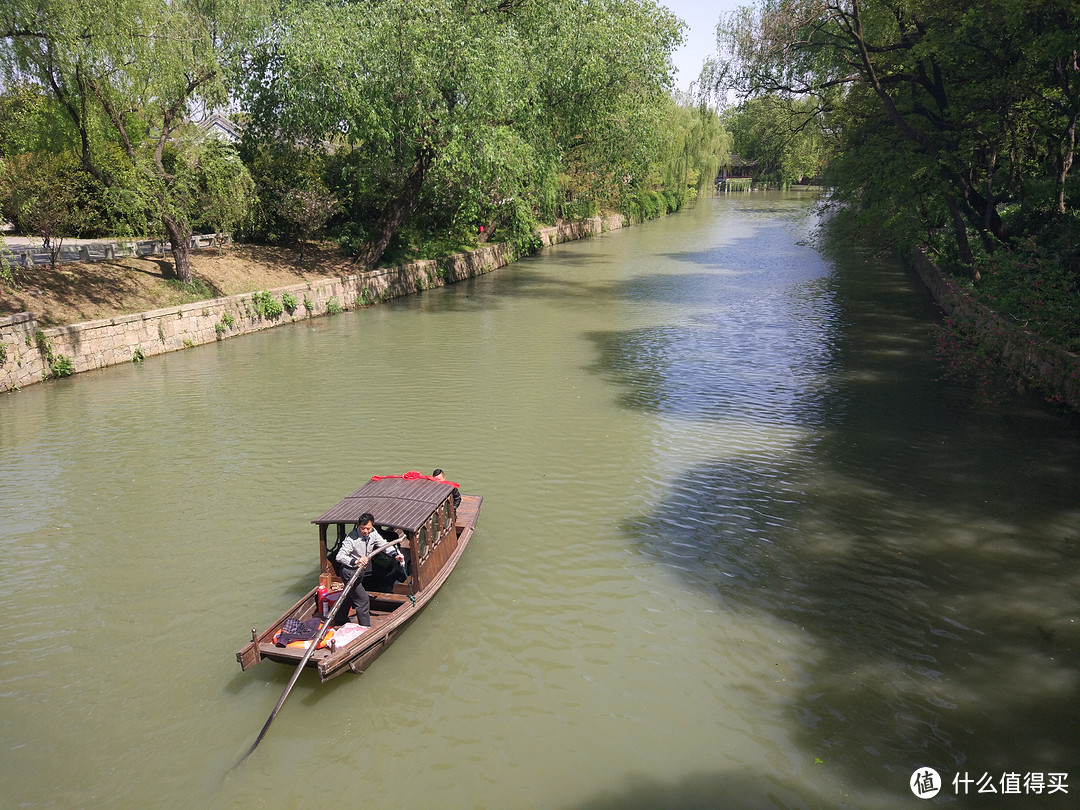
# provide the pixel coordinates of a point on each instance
(738, 548)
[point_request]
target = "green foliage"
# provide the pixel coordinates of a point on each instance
(647, 204)
(228, 320)
(352, 236)
(209, 187)
(983, 97)
(396, 128)
(288, 300)
(333, 307)
(697, 144)
(221, 193)
(126, 76)
(58, 365)
(61, 366)
(1037, 285)
(884, 189)
(449, 116)
(523, 229)
(784, 136)
(950, 125)
(414, 242)
(308, 305)
(402, 130)
(3, 353)
(293, 200)
(220, 328)
(138, 355)
(307, 210)
(31, 120)
(52, 196)
(7, 274)
(267, 305)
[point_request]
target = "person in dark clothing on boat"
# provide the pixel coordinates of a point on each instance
(356, 551)
(386, 570)
(457, 495)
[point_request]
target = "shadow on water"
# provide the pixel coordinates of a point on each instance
(702, 790)
(922, 550)
(521, 280)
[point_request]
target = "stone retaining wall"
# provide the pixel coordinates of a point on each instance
(1036, 361)
(26, 349)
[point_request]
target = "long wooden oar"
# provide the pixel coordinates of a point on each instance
(311, 647)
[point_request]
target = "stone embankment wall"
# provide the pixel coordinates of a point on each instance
(1039, 363)
(30, 354)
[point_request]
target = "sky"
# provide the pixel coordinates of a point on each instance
(699, 37)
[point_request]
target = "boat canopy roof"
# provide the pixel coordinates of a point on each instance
(399, 502)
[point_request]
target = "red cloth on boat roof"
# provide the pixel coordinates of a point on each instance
(413, 475)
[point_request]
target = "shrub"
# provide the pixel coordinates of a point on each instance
(285, 176)
(288, 300)
(7, 275)
(524, 229)
(61, 366)
(266, 305)
(1036, 287)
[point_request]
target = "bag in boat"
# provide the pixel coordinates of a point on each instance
(296, 630)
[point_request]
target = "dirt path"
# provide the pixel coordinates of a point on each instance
(73, 293)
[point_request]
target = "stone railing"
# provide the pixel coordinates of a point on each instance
(98, 250)
(1035, 360)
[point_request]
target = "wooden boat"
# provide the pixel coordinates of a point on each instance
(435, 534)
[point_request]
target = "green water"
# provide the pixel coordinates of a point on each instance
(739, 547)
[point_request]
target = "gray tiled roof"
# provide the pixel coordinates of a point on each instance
(397, 502)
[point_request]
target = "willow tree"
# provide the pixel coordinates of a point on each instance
(129, 74)
(477, 105)
(696, 145)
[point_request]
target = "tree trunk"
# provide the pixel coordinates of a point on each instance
(395, 213)
(180, 239)
(960, 229)
(1065, 162)
(487, 230)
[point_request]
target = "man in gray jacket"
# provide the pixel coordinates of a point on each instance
(356, 551)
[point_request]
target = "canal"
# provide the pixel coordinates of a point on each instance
(740, 547)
